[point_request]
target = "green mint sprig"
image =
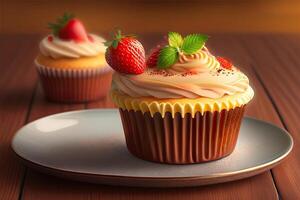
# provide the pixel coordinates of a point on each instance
(177, 44)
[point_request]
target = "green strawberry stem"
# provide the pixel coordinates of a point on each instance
(60, 23)
(177, 44)
(117, 37)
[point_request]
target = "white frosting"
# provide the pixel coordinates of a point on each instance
(58, 48)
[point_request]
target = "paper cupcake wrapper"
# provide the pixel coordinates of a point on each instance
(74, 85)
(182, 140)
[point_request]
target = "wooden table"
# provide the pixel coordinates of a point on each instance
(272, 63)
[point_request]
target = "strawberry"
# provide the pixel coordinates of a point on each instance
(154, 53)
(153, 56)
(225, 63)
(73, 30)
(50, 38)
(69, 28)
(125, 54)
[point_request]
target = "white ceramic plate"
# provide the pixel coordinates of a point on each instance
(89, 146)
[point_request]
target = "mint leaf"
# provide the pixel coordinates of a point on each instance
(167, 57)
(175, 39)
(192, 43)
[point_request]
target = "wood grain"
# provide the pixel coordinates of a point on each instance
(17, 85)
(46, 187)
(276, 60)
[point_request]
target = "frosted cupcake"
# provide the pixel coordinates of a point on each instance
(185, 107)
(71, 63)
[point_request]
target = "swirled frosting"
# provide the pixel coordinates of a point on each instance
(193, 76)
(57, 48)
(202, 61)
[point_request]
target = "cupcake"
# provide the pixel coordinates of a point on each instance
(185, 107)
(71, 63)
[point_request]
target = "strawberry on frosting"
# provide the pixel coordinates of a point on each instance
(183, 68)
(125, 54)
(69, 28)
(69, 39)
(153, 56)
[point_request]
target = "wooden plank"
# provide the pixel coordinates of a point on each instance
(46, 187)
(276, 60)
(17, 83)
(258, 187)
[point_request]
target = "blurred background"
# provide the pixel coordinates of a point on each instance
(145, 16)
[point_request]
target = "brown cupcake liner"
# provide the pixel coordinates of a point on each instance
(178, 140)
(74, 85)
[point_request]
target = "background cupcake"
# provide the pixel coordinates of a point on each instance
(71, 63)
(186, 107)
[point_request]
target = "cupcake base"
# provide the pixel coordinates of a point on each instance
(182, 140)
(74, 85)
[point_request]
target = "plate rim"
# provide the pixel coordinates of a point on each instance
(251, 171)
(155, 182)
